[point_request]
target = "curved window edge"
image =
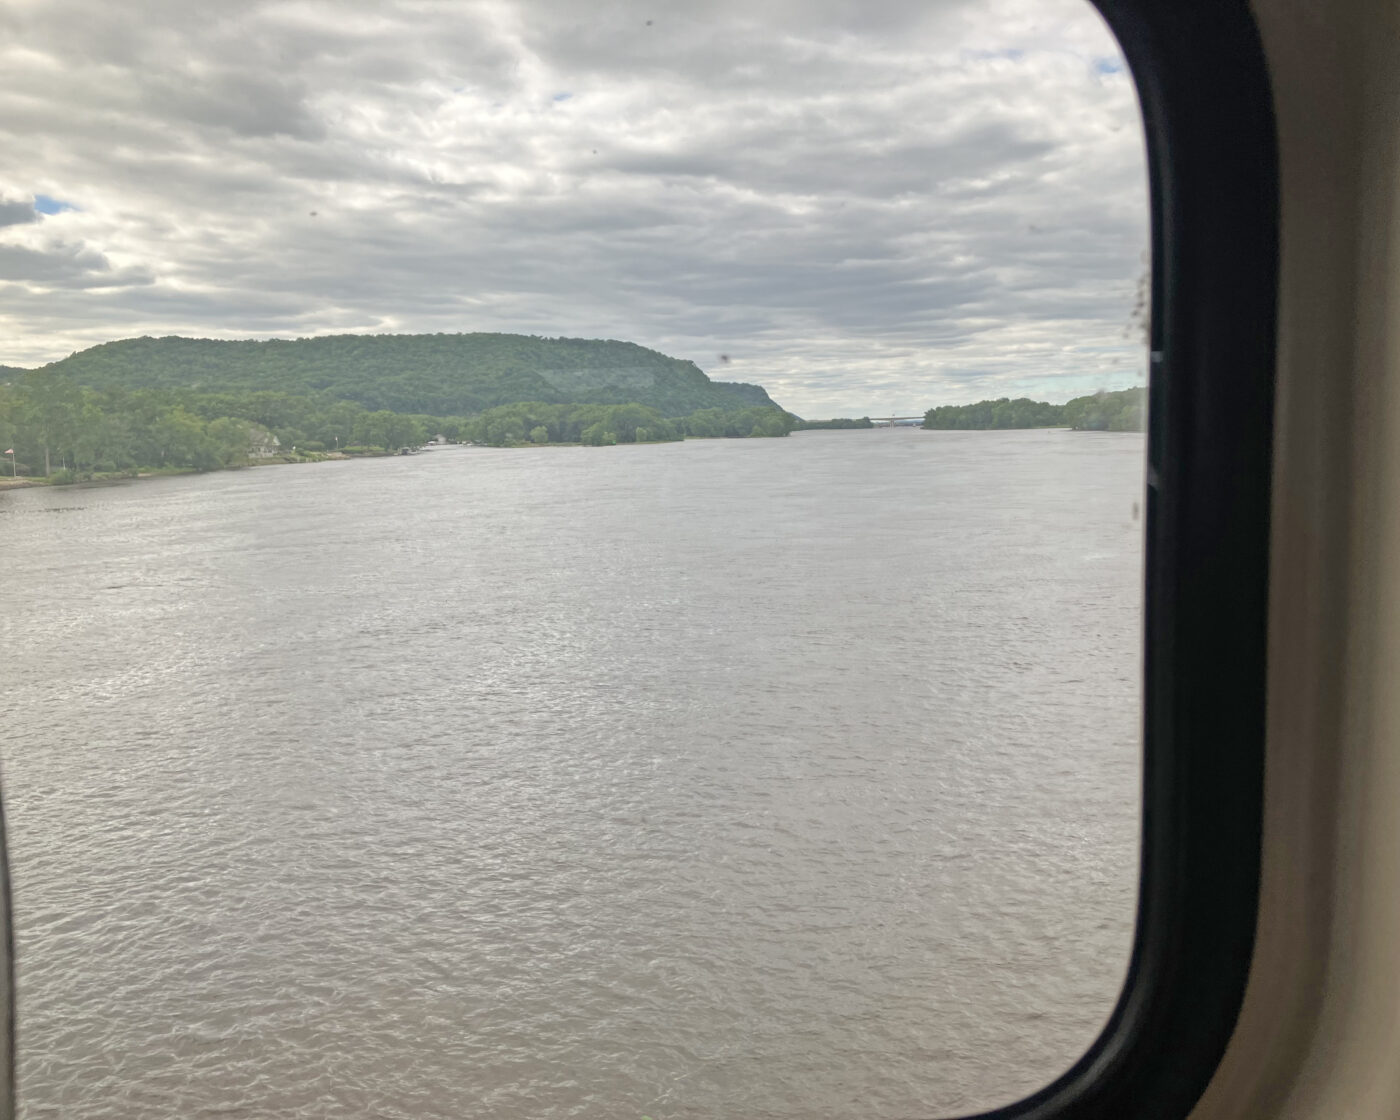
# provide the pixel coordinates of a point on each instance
(1207, 110)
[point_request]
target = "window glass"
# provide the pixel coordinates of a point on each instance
(514, 607)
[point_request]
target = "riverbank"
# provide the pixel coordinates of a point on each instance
(99, 478)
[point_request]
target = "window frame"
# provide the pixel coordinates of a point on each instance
(1213, 171)
(1207, 109)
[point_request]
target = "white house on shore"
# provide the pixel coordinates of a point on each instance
(262, 444)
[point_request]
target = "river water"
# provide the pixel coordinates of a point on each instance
(750, 779)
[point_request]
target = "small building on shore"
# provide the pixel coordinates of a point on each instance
(262, 444)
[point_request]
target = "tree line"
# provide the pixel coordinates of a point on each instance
(597, 425)
(1119, 411)
(841, 422)
(59, 429)
(56, 427)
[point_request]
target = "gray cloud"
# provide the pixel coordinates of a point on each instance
(17, 213)
(68, 267)
(870, 207)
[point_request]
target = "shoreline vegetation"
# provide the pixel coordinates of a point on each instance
(540, 423)
(1122, 410)
(151, 407)
(841, 423)
(156, 405)
(69, 477)
(56, 433)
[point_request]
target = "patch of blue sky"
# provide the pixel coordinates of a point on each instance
(47, 205)
(1013, 54)
(1108, 65)
(562, 96)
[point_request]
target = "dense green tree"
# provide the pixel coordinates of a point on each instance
(624, 423)
(705, 423)
(230, 440)
(56, 426)
(50, 412)
(1001, 413)
(713, 423)
(1122, 411)
(772, 424)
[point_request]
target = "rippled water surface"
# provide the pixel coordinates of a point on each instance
(743, 779)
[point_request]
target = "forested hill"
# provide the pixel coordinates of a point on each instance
(434, 374)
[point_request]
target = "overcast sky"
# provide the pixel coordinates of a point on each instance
(870, 207)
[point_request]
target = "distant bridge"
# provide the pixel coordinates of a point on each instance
(895, 419)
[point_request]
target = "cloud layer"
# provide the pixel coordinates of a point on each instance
(869, 207)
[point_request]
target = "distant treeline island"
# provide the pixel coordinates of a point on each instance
(151, 405)
(1119, 411)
